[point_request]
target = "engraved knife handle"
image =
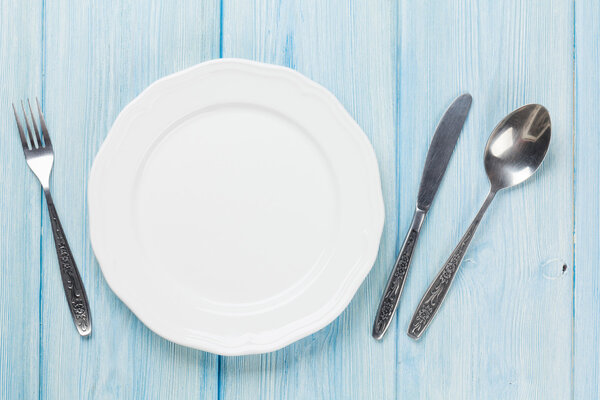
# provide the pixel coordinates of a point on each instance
(72, 284)
(433, 298)
(393, 290)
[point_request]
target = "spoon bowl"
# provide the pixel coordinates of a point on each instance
(517, 146)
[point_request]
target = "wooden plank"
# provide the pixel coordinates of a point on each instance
(98, 58)
(349, 47)
(20, 77)
(505, 328)
(586, 368)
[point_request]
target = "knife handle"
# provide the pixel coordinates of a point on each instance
(393, 290)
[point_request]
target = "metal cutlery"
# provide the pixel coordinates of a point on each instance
(441, 148)
(40, 158)
(514, 151)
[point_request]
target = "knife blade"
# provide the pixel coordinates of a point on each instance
(439, 153)
(441, 148)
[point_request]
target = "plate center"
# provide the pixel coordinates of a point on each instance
(235, 205)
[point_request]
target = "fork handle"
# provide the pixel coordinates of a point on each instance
(72, 284)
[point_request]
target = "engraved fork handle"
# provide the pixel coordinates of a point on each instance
(433, 298)
(72, 284)
(393, 290)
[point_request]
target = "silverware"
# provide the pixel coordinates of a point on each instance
(441, 148)
(514, 151)
(40, 157)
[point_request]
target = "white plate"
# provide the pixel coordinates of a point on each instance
(235, 207)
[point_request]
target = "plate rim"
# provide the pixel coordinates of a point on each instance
(324, 316)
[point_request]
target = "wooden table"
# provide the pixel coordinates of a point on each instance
(523, 318)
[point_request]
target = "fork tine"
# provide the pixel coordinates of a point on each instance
(21, 132)
(35, 128)
(33, 145)
(47, 141)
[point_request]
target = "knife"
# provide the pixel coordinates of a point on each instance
(441, 148)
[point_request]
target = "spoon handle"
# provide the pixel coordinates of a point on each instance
(433, 298)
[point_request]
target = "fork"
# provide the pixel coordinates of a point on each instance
(40, 157)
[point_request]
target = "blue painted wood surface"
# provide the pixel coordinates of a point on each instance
(586, 343)
(523, 318)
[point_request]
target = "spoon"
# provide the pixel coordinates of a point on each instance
(514, 151)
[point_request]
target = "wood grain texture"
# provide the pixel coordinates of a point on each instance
(20, 199)
(97, 59)
(586, 357)
(521, 320)
(505, 328)
(348, 47)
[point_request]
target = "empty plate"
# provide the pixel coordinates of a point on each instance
(235, 207)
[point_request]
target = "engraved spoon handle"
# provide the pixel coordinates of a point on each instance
(72, 283)
(393, 290)
(433, 298)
